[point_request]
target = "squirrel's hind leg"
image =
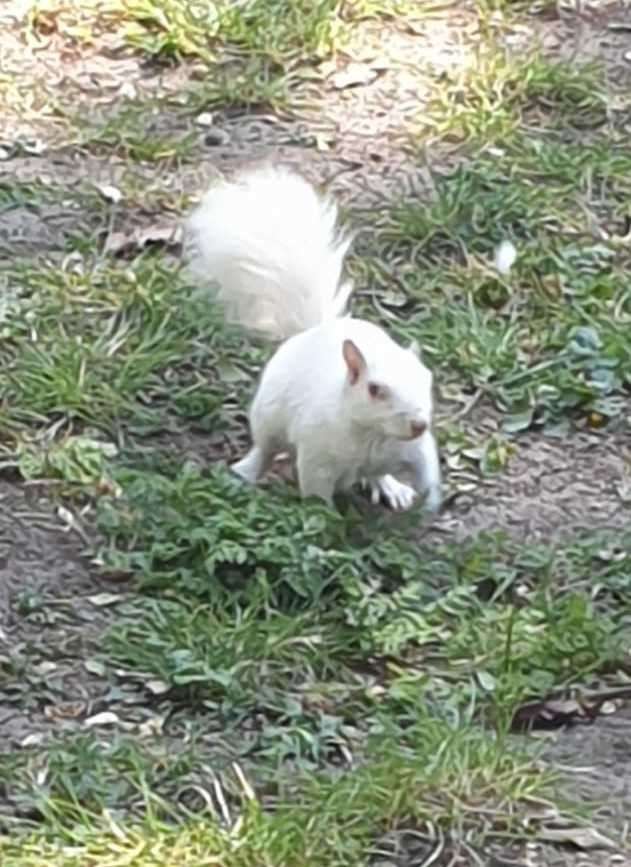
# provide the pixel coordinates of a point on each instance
(253, 465)
(314, 479)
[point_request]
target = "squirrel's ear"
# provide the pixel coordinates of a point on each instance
(415, 349)
(355, 361)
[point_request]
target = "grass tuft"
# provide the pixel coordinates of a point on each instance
(499, 93)
(91, 343)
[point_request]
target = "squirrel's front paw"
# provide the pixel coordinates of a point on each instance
(396, 494)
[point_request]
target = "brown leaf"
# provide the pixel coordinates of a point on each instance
(114, 576)
(547, 714)
(582, 838)
(65, 710)
(122, 242)
(555, 712)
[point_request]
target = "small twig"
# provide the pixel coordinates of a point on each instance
(223, 806)
(102, 257)
(248, 791)
(466, 409)
(436, 852)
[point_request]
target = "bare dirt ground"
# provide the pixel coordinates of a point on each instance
(552, 489)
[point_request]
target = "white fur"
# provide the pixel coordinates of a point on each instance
(271, 244)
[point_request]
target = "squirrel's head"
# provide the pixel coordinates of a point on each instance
(393, 394)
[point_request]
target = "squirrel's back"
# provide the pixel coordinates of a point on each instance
(271, 244)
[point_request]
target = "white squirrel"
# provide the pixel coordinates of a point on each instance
(347, 402)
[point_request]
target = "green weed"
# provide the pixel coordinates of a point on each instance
(195, 537)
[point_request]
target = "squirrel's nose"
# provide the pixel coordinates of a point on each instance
(418, 428)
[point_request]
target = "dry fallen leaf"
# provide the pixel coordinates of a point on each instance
(609, 707)
(555, 712)
(106, 718)
(103, 599)
(32, 740)
(36, 147)
(93, 666)
(205, 119)
(127, 90)
(157, 687)
(151, 727)
(112, 575)
(353, 75)
(121, 242)
(583, 838)
(66, 516)
(110, 192)
(65, 710)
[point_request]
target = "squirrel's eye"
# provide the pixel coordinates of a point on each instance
(374, 390)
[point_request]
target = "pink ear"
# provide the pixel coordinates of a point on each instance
(355, 361)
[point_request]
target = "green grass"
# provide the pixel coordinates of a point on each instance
(497, 94)
(133, 131)
(14, 195)
(101, 342)
(279, 32)
(41, 198)
(548, 341)
(255, 54)
(324, 822)
(294, 685)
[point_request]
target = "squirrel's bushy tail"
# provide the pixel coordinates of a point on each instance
(271, 245)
